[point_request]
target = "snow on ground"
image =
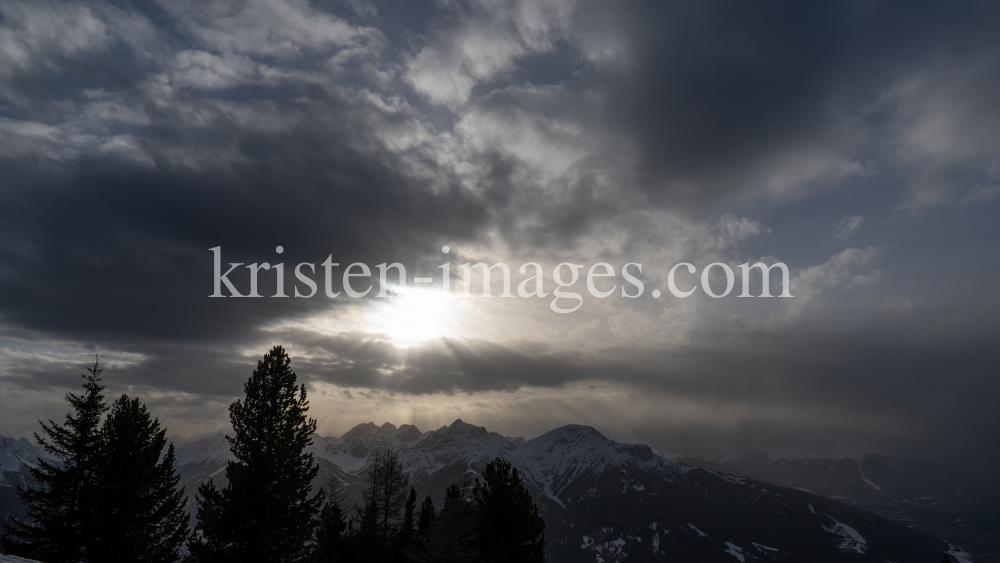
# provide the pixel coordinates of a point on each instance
(763, 547)
(866, 480)
(961, 556)
(14, 559)
(852, 540)
(736, 551)
(655, 526)
(700, 533)
(614, 549)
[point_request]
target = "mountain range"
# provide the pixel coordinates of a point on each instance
(603, 501)
(932, 497)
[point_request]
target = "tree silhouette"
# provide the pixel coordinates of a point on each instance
(265, 513)
(427, 516)
(56, 511)
(137, 509)
(453, 535)
(330, 545)
(387, 489)
(509, 527)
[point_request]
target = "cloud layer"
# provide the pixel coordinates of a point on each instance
(856, 143)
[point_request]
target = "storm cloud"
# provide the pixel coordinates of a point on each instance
(859, 144)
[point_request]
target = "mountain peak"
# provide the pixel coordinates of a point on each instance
(14, 452)
(574, 433)
(462, 427)
(578, 444)
(365, 438)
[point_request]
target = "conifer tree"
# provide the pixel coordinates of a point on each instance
(138, 510)
(427, 515)
(453, 535)
(56, 510)
(407, 535)
(265, 514)
(509, 527)
(408, 532)
(366, 538)
(330, 545)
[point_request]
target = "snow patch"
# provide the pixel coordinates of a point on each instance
(700, 533)
(811, 509)
(868, 482)
(961, 556)
(736, 551)
(851, 540)
(763, 547)
(614, 549)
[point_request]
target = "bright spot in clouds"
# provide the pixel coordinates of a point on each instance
(414, 315)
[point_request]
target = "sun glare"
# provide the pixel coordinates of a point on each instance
(414, 315)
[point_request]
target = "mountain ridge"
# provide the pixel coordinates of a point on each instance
(608, 501)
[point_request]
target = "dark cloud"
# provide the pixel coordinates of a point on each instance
(136, 138)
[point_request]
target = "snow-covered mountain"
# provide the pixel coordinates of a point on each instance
(605, 501)
(435, 458)
(16, 455)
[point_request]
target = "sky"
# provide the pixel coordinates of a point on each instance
(858, 143)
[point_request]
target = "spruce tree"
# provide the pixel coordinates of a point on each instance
(509, 527)
(407, 535)
(330, 545)
(56, 510)
(366, 539)
(138, 508)
(453, 536)
(265, 513)
(427, 515)
(417, 549)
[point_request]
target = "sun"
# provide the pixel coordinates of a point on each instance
(413, 315)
